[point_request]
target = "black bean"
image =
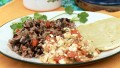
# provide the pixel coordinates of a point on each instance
(36, 31)
(68, 20)
(89, 56)
(16, 42)
(27, 28)
(61, 20)
(15, 35)
(37, 24)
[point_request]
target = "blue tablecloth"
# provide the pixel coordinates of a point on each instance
(70, 2)
(3, 2)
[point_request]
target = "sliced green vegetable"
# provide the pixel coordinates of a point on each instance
(69, 10)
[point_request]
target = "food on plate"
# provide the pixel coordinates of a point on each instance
(56, 42)
(103, 34)
(68, 48)
(28, 41)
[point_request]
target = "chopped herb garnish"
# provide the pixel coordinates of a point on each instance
(83, 14)
(24, 19)
(69, 10)
(38, 16)
(43, 17)
(82, 17)
(16, 26)
(83, 20)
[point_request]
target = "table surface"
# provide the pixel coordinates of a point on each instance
(6, 13)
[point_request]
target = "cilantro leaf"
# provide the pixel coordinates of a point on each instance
(38, 16)
(83, 14)
(16, 26)
(20, 25)
(43, 17)
(83, 19)
(69, 10)
(24, 19)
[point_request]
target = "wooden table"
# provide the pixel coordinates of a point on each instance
(16, 9)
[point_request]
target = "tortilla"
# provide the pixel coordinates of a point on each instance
(103, 34)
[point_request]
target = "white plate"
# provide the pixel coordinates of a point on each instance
(6, 34)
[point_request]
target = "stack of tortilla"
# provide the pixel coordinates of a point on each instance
(103, 34)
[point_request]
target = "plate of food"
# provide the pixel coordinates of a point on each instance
(60, 38)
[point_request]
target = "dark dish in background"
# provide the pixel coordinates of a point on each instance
(96, 5)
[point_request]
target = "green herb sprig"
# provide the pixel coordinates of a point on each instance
(82, 17)
(19, 25)
(69, 10)
(38, 16)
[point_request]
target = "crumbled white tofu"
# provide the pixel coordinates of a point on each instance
(51, 60)
(52, 40)
(67, 35)
(60, 42)
(45, 57)
(58, 38)
(52, 51)
(59, 51)
(73, 47)
(67, 29)
(95, 53)
(51, 35)
(62, 61)
(74, 35)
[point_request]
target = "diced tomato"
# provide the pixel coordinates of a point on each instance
(77, 42)
(78, 59)
(74, 31)
(84, 52)
(16, 30)
(51, 32)
(47, 24)
(71, 54)
(58, 58)
(79, 35)
(23, 48)
(34, 42)
(48, 38)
